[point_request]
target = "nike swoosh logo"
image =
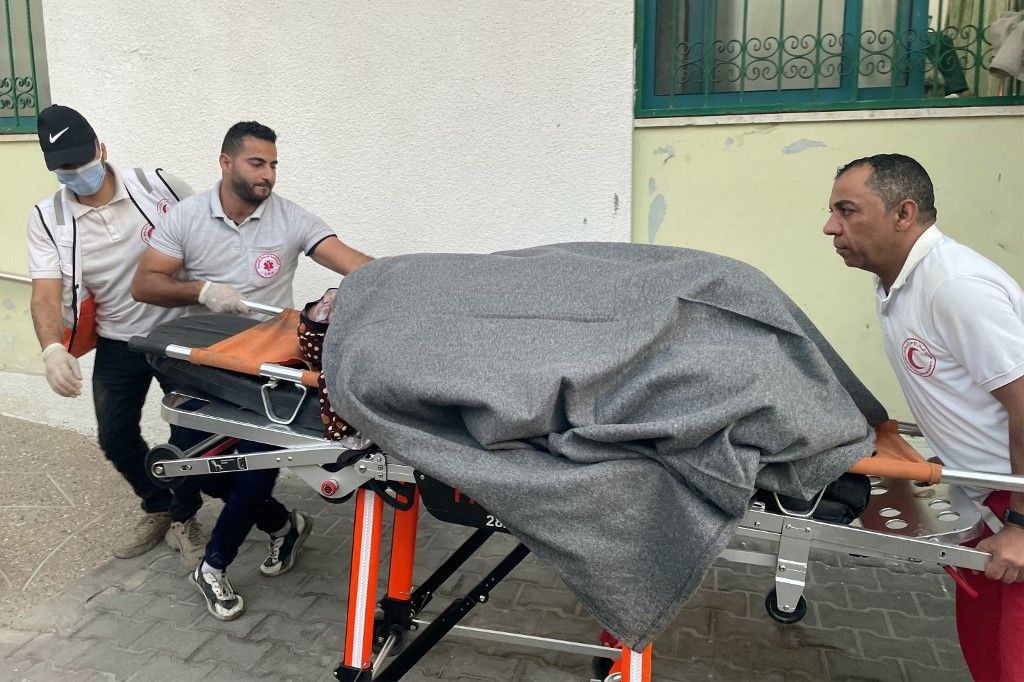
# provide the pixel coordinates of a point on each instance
(54, 138)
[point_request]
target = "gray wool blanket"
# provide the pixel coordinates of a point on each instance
(614, 405)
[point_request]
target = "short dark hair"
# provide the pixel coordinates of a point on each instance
(896, 177)
(233, 140)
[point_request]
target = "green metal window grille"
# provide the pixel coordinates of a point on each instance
(24, 88)
(706, 57)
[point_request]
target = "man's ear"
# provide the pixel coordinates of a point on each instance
(103, 152)
(225, 162)
(906, 214)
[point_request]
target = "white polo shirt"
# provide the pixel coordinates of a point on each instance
(112, 239)
(257, 258)
(953, 324)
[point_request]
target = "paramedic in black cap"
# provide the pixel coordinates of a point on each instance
(83, 245)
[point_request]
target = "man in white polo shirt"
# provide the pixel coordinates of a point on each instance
(84, 242)
(240, 240)
(953, 327)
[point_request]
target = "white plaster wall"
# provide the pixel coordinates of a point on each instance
(448, 126)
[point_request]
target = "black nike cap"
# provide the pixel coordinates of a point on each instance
(65, 137)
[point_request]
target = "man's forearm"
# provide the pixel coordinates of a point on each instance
(47, 322)
(163, 290)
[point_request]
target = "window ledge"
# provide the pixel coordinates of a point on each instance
(18, 137)
(803, 117)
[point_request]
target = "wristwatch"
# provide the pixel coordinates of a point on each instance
(1010, 516)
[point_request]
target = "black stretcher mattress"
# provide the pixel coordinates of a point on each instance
(243, 390)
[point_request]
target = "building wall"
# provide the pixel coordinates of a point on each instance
(25, 180)
(454, 126)
(759, 192)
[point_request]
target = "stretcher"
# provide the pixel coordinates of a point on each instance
(247, 388)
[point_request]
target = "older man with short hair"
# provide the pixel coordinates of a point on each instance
(953, 328)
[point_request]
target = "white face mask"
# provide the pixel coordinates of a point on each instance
(85, 180)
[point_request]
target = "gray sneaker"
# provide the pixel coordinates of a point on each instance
(188, 538)
(147, 532)
(222, 602)
(285, 549)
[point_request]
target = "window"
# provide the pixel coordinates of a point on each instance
(731, 56)
(24, 86)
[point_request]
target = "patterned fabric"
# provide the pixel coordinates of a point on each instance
(311, 339)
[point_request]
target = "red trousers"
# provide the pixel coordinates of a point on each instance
(991, 626)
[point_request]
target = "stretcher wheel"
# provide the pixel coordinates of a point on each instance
(163, 452)
(771, 605)
(381, 634)
(601, 668)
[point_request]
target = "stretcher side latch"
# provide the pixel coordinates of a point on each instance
(268, 407)
(800, 515)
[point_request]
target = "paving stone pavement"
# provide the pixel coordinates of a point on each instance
(139, 619)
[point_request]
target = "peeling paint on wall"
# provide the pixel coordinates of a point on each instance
(802, 145)
(729, 141)
(615, 203)
(651, 185)
(655, 217)
(667, 151)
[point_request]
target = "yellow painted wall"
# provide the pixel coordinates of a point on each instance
(24, 180)
(759, 193)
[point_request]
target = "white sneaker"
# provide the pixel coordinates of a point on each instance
(221, 600)
(285, 549)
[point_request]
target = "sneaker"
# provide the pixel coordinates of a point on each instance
(147, 532)
(188, 538)
(284, 549)
(221, 600)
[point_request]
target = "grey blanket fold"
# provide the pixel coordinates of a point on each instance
(614, 405)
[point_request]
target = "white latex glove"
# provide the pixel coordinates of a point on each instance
(221, 298)
(62, 372)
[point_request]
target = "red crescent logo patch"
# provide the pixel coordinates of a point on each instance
(268, 265)
(147, 233)
(163, 206)
(918, 358)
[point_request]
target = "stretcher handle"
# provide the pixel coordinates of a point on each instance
(202, 356)
(983, 479)
(892, 468)
(930, 472)
(255, 307)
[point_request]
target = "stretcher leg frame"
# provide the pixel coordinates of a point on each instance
(791, 569)
(403, 550)
(362, 591)
(636, 665)
(397, 605)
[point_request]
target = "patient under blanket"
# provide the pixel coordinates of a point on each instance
(614, 405)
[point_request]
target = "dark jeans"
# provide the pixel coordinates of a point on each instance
(248, 501)
(120, 381)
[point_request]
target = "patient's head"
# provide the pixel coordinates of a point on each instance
(879, 206)
(320, 311)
